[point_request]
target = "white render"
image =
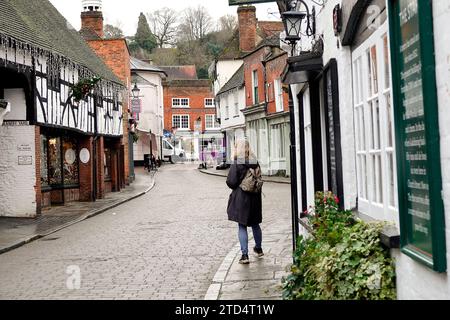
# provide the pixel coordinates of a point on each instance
(415, 281)
(17, 181)
(225, 69)
(152, 116)
(234, 123)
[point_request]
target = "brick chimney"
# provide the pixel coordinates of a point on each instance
(92, 16)
(247, 28)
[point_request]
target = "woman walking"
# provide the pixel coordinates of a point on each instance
(245, 207)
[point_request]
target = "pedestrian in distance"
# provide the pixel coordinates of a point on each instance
(245, 202)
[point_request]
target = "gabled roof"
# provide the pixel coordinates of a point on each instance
(236, 81)
(139, 65)
(38, 23)
(180, 72)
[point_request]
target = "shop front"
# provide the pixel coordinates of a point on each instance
(59, 167)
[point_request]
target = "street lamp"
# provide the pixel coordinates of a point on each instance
(136, 91)
(293, 21)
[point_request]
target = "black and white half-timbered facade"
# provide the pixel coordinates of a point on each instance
(51, 141)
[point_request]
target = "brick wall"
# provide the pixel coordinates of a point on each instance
(100, 148)
(247, 28)
(86, 171)
(274, 71)
(93, 20)
(115, 53)
(253, 62)
(196, 91)
(37, 188)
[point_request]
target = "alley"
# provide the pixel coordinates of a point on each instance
(167, 244)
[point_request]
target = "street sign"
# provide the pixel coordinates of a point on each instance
(422, 222)
(241, 2)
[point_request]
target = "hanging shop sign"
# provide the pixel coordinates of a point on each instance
(422, 223)
(136, 105)
(241, 2)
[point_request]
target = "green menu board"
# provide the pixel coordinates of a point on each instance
(422, 223)
(241, 2)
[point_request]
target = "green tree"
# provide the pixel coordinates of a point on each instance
(144, 37)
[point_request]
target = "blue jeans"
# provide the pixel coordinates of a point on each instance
(243, 237)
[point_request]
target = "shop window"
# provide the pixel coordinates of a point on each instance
(44, 161)
(54, 161)
(59, 162)
(108, 165)
(70, 163)
(374, 128)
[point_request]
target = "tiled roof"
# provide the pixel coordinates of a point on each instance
(180, 72)
(139, 65)
(236, 81)
(38, 23)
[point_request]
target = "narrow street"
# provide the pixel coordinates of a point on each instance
(167, 244)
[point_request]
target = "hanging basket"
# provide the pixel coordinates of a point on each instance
(81, 90)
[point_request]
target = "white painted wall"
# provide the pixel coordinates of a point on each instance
(415, 281)
(343, 57)
(233, 120)
(225, 69)
(152, 116)
(17, 182)
(18, 104)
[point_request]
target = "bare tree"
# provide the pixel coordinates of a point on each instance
(197, 23)
(227, 23)
(163, 23)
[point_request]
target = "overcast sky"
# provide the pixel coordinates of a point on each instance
(127, 11)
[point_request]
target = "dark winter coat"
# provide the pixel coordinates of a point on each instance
(243, 207)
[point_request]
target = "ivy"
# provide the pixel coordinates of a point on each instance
(343, 260)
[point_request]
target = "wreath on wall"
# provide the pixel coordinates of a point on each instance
(82, 89)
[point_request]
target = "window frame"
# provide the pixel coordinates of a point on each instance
(255, 86)
(278, 92)
(180, 127)
(213, 121)
(376, 166)
(209, 106)
(180, 105)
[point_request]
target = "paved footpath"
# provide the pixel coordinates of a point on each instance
(167, 244)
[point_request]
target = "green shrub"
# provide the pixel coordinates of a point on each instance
(343, 260)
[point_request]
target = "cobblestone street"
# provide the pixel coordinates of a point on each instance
(167, 244)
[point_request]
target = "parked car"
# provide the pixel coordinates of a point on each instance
(171, 153)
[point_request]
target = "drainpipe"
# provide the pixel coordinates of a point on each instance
(293, 165)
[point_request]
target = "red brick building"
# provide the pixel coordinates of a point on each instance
(267, 110)
(189, 112)
(117, 155)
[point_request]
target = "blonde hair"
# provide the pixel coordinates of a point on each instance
(242, 152)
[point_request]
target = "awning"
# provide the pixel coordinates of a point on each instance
(303, 67)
